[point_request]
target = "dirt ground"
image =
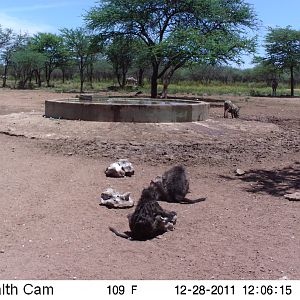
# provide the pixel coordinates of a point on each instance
(52, 174)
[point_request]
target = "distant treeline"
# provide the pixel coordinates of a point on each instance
(77, 55)
(204, 74)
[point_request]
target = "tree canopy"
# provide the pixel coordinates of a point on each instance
(283, 50)
(177, 32)
(51, 45)
(120, 52)
(81, 48)
(25, 62)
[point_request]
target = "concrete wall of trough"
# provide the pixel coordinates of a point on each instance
(140, 113)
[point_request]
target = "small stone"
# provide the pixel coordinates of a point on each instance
(293, 197)
(239, 172)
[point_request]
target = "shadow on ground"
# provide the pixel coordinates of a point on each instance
(273, 182)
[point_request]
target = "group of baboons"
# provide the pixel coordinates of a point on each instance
(149, 219)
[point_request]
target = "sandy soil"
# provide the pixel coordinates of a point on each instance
(52, 174)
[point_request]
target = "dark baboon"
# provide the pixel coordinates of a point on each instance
(173, 186)
(231, 108)
(149, 219)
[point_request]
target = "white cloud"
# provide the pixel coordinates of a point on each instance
(23, 25)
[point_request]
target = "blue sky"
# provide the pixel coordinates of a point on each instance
(274, 13)
(34, 16)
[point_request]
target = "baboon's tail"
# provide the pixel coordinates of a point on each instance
(189, 201)
(122, 235)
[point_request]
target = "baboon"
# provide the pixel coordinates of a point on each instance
(231, 108)
(149, 219)
(173, 186)
(131, 81)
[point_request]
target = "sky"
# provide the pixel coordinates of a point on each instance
(34, 16)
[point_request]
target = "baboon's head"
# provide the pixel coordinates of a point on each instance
(156, 180)
(150, 194)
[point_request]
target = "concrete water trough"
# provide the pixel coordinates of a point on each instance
(139, 110)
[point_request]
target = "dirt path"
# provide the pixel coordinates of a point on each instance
(52, 173)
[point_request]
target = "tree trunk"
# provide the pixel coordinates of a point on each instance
(47, 75)
(154, 78)
(119, 79)
(91, 74)
(81, 86)
(30, 77)
(292, 81)
(5, 76)
(81, 75)
(63, 75)
(166, 81)
(123, 80)
(39, 79)
(140, 77)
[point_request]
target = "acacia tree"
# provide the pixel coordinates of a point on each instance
(6, 35)
(121, 52)
(25, 62)
(51, 45)
(177, 32)
(141, 61)
(13, 43)
(283, 50)
(82, 48)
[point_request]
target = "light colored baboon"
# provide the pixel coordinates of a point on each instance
(231, 108)
(131, 81)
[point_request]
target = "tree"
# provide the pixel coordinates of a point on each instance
(81, 46)
(142, 61)
(13, 43)
(177, 32)
(265, 71)
(120, 52)
(283, 50)
(25, 62)
(51, 45)
(6, 36)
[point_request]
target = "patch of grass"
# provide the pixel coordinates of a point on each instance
(183, 87)
(245, 89)
(74, 86)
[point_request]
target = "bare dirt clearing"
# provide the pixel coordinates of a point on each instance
(52, 174)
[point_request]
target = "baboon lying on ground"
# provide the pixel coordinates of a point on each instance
(173, 186)
(229, 107)
(149, 219)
